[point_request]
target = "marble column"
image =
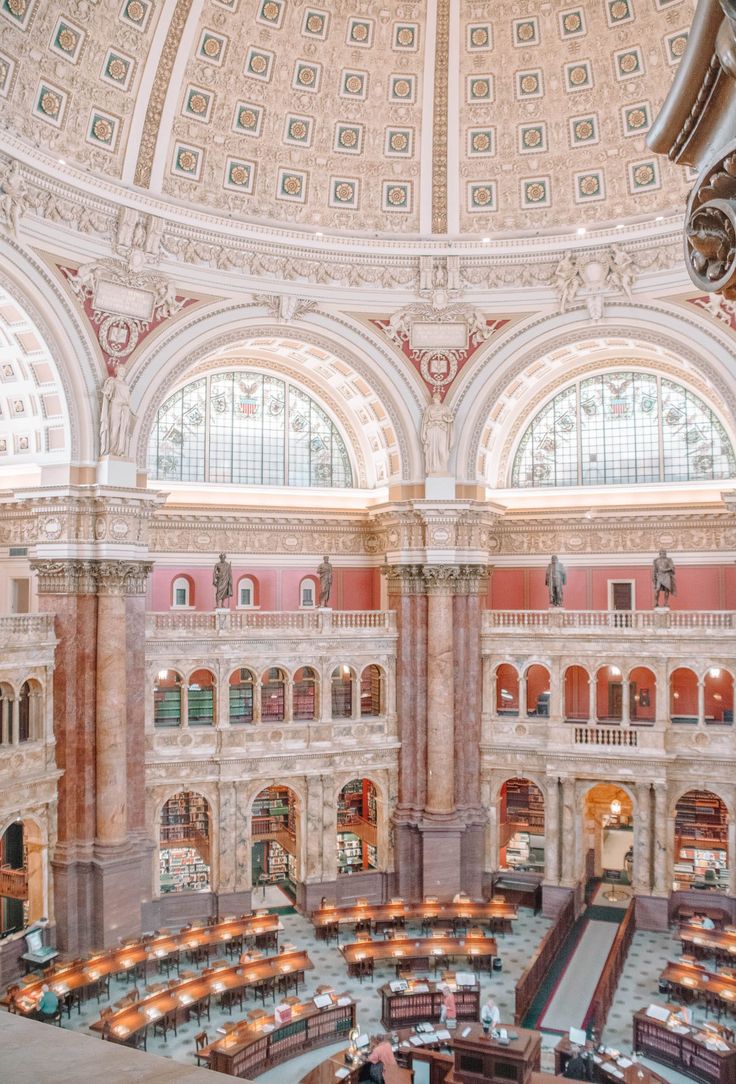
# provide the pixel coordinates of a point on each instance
(522, 696)
(440, 694)
(642, 868)
(569, 834)
(731, 856)
(701, 702)
(111, 812)
(67, 589)
(555, 691)
(15, 721)
(661, 840)
(5, 720)
(552, 833)
(625, 702)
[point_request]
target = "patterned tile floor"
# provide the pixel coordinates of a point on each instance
(638, 986)
(515, 949)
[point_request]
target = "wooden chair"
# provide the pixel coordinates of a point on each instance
(263, 989)
(200, 1041)
(165, 1024)
(200, 1008)
(228, 998)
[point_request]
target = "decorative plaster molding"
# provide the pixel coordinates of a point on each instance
(74, 577)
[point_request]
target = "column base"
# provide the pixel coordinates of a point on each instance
(441, 863)
(120, 889)
(554, 898)
(652, 912)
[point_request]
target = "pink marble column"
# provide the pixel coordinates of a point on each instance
(111, 753)
(419, 720)
(440, 696)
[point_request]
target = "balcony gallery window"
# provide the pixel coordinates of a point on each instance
(621, 428)
(247, 428)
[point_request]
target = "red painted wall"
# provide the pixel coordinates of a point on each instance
(709, 587)
(276, 588)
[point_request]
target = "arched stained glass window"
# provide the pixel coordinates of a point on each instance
(249, 429)
(621, 428)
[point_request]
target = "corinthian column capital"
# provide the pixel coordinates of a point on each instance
(65, 577)
(122, 577)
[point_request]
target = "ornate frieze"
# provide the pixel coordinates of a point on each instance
(72, 517)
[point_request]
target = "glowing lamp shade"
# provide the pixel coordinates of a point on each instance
(616, 807)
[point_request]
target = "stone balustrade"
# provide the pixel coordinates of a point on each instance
(556, 621)
(312, 623)
(25, 629)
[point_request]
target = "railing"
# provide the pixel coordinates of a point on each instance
(13, 883)
(533, 976)
(554, 620)
(320, 622)
(359, 826)
(605, 990)
(605, 735)
(26, 627)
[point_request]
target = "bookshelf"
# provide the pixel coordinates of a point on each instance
(201, 705)
(522, 824)
(403, 1010)
(701, 832)
(685, 1053)
(184, 844)
(274, 826)
(357, 815)
(167, 706)
(241, 699)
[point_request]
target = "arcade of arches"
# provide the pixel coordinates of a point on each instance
(377, 383)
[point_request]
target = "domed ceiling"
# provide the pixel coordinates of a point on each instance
(509, 115)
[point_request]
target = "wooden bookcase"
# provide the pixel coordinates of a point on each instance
(184, 843)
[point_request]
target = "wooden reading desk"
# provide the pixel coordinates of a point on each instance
(685, 1049)
(84, 977)
(510, 1064)
(255, 1046)
(418, 952)
(689, 981)
(604, 1066)
(517, 890)
(497, 914)
(418, 1001)
(701, 942)
(181, 998)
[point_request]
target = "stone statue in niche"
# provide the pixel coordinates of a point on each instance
(436, 435)
(325, 581)
(663, 577)
(222, 581)
(555, 578)
(115, 414)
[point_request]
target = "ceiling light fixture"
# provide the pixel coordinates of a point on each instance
(581, 231)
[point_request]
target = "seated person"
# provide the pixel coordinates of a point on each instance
(577, 1067)
(461, 897)
(708, 923)
(381, 1054)
(48, 1004)
(684, 1014)
(490, 1014)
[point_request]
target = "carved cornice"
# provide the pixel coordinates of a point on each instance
(75, 577)
(72, 516)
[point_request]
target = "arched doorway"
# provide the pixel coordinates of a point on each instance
(609, 700)
(167, 699)
(184, 844)
(507, 689)
(718, 696)
(521, 825)
(609, 833)
(275, 838)
(642, 695)
(683, 696)
(305, 694)
(201, 698)
(242, 685)
(21, 876)
(577, 694)
(537, 690)
(357, 821)
(701, 841)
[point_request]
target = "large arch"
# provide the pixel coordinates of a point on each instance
(61, 368)
(363, 388)
(507, 382)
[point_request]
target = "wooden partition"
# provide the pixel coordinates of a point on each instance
(532, 978)
(606, 988)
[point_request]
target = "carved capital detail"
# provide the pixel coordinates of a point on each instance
(75, 577)
(67, 577)
(122, 577)
(436, 579)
